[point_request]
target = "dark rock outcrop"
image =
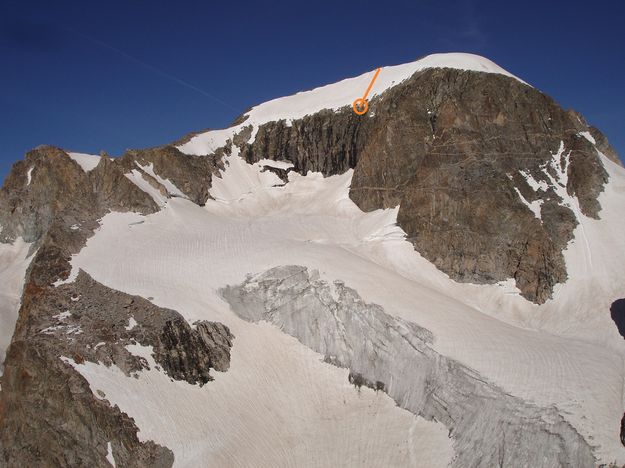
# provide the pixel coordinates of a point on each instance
(327, 142)
(188, 354)
(617, 312)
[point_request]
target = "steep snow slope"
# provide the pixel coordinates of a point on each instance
(184, 254)
(337, 95)
(14, 261)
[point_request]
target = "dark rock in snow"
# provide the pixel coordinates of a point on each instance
(617, 312)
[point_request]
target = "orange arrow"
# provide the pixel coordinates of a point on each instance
(377, 72)
(361, 105)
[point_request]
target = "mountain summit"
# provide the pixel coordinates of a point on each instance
(428, 284)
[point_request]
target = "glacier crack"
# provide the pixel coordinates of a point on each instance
(489, 427)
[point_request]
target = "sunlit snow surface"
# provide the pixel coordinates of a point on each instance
(29, 175)
(279, 404)
(88, 162)
(14, 261)
(337, 95)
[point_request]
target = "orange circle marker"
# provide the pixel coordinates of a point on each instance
(361, 105)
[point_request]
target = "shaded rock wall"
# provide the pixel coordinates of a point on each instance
(327, 142)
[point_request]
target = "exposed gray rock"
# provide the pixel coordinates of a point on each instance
(188, 354)
(328, 142)
(243, 136)
(60, 190)
(216, 337)
(489, 427)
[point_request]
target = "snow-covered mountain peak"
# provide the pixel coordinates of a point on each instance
(343, 93)
(337, 95)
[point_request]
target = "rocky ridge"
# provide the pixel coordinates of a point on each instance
(55, 204)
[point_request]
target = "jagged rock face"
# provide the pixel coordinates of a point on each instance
(191, 174)
(50, 418)
(489, 427)
(86, 321)
(49, 186)
(604, 145)
(50, 201)
(49, 415)
(188, 354)
(328, 142)
(115, 192)
(452, 148)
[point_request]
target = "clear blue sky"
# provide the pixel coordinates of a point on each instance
(111, 75)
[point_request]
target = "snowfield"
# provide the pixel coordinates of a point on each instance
(278, 405)
(566, 353)
(14, 261)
